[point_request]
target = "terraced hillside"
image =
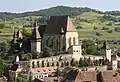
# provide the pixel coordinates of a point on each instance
(90, 25)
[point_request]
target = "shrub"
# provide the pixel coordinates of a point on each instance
(8, 26)
(78, 27)
(109, 31)
(98, 34)
(109, 24)
(105, 28)
(2, 25)
(94, 28)
(117, 29)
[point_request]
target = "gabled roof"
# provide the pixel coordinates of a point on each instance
(58, 24)
(36, 71)
(41, 29)
(86, 76)
(110, 76)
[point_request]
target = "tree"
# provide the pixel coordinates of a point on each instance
(2, 25)
(47, 52)
(27, 56)
(1, 66)
(26, 32)
(89, 47)
(73, 63)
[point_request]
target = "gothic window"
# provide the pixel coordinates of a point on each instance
(43, 63)
(69, 42)
(38, 65)
(33, 64)
(73, 40)
(57, 43)
(48, 64)
(57, 64)
(62, 64)
(53, 64)
(46, 42)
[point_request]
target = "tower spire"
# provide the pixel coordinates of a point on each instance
(35, 40)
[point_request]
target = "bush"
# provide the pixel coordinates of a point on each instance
(105, 28)
(2, 25)
(8, 27)
(109, 31)
(117, 29)
(109, 24)
(78, 27)
(94, 28)
(98, 34)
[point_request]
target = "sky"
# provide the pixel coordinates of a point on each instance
(33, 5)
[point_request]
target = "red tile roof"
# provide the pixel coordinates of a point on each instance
(53, 79)
(110, 76)
(86, 76)
(43, 70)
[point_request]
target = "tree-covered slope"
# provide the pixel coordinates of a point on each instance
(58, 10)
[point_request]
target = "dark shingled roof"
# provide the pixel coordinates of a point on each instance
(41, 29)
(58, 24)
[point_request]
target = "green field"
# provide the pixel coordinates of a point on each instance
(88, 21)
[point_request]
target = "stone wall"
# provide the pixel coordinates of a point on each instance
(62, 60)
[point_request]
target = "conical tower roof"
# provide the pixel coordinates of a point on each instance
(35, 33)
(106, 46)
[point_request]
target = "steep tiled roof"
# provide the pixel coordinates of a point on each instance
(58, 24)
(70, 76)
(43, 70)
(86, 76)
(53, 79)
(40, 70)
(41, 29)
(110, 76)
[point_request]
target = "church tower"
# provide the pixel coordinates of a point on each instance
(35, 40)
(14, 37)
(108, 52)
(19, 35)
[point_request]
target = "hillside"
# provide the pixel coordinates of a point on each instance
(58, 10)
(91, 24)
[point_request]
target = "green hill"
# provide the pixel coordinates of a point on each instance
(58, 10)
(91, 24)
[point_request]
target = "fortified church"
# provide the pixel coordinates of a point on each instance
(61, 36)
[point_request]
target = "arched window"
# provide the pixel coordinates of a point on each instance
(43, 63)
(33, 64)
(46, 42)
(48, 64)
(57, 43)
(38, 65)
(69, 42)
(73, 40)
